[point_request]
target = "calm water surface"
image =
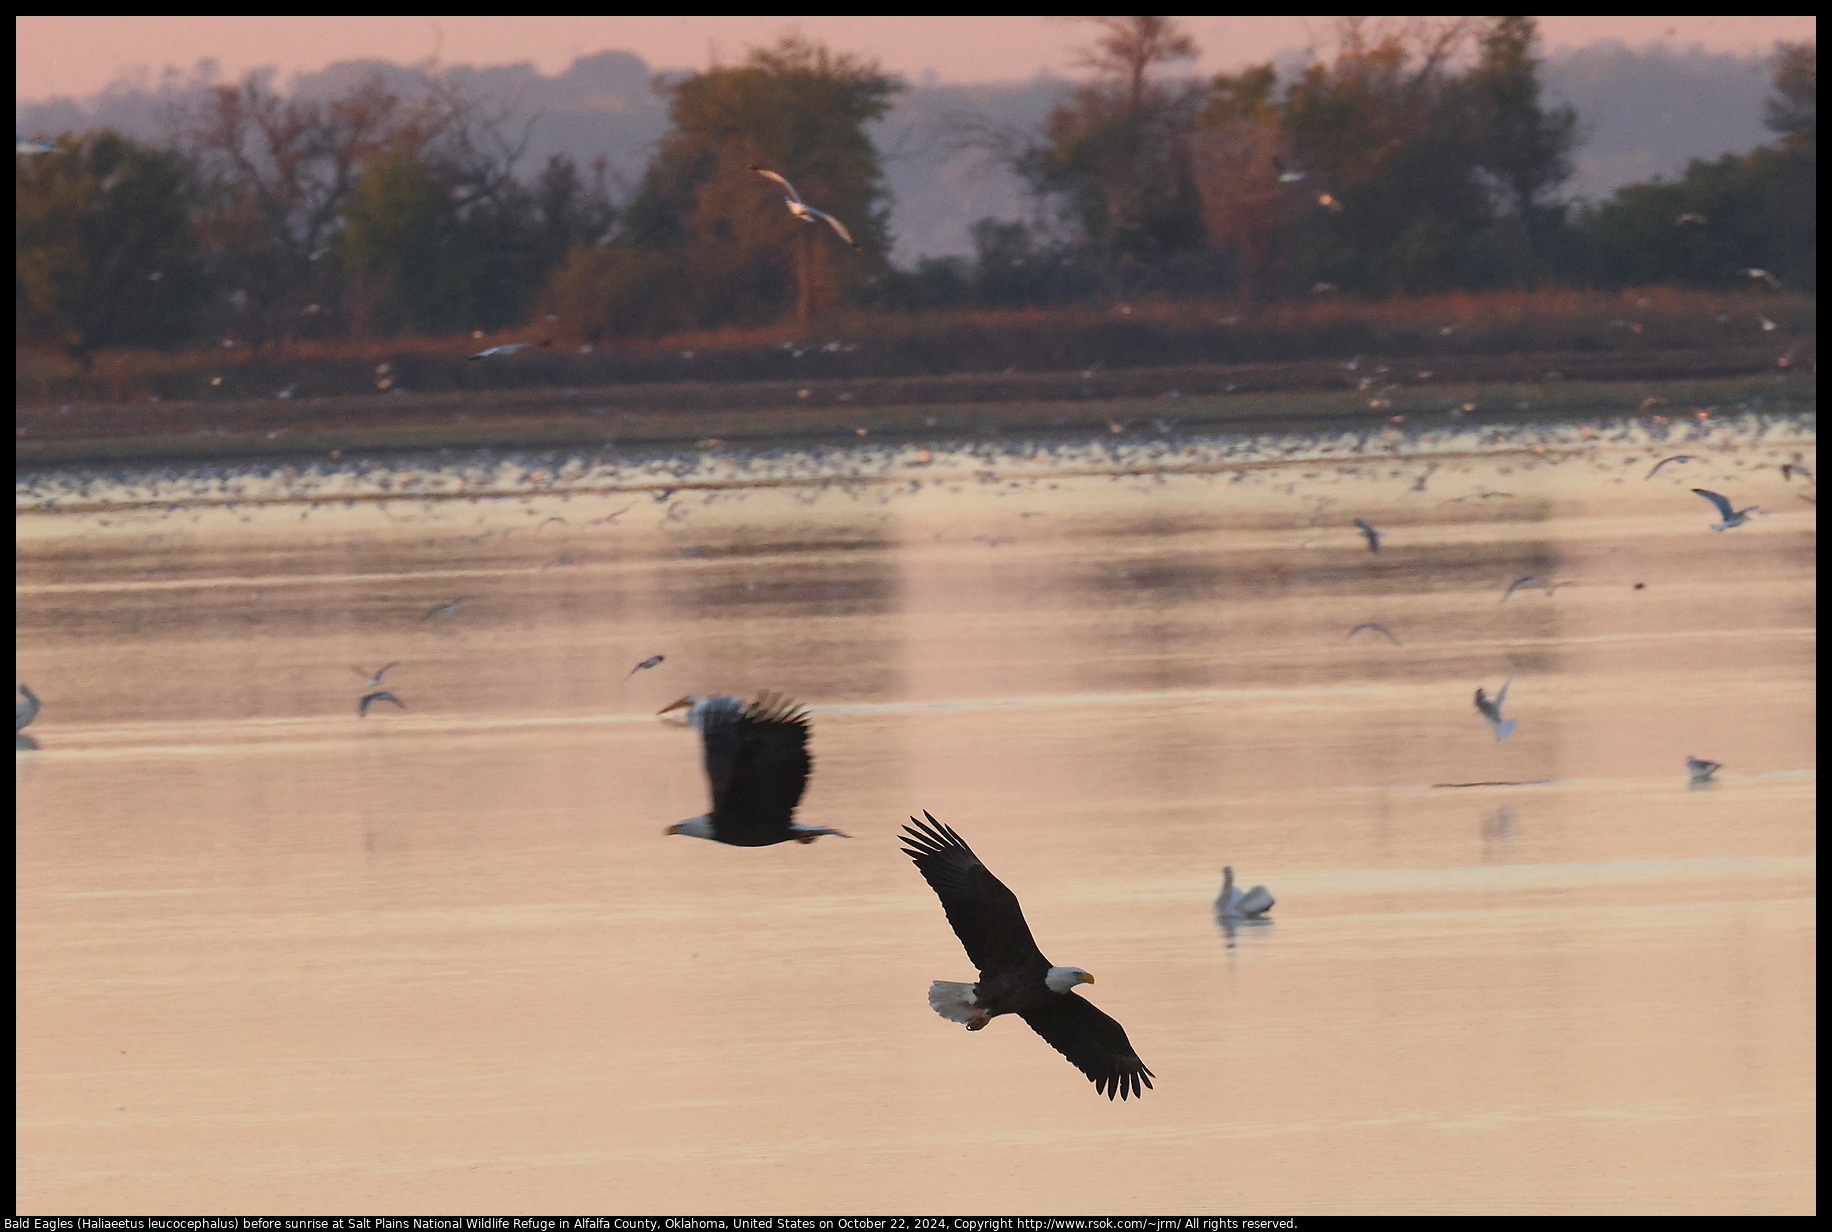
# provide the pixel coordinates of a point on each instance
(272, 957)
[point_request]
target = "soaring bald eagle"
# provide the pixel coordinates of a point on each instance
(1015, 977)
(757, 759)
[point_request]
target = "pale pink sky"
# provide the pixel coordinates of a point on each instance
(80, 55)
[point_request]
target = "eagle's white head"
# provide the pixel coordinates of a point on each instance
(1061, 979)
(696, 827)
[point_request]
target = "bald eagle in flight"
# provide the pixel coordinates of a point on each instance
(1015, 977)
(757, 759)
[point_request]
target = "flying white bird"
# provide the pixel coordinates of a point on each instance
(1764, 275)
(369, 699)
(22, 146)
(507, 348)
(1683, 219)
(1678, 457)
(374, 678)
(1529, 580)
(1235, 904)
(1728, 517)
(805, 212)
(1700, 771)
(1491, 710)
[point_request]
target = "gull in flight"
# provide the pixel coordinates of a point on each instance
(1765, 276)
(1729, 517)
(445, 609)
(507, 348)
(1529, 580)
(24, 711)
(380, 695)
(1700, 771)
(1377, 628)
(1683, 219)
(651, 661)
(1491, 710)
(1678, 457)
(1370, 534)
(1234, 904)
(374, 678)
(806, 213)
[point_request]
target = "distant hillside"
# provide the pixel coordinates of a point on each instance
(1646, 112)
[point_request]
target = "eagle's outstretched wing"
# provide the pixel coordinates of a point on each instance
(1093, 1042)
(757, 761)
(985, 914)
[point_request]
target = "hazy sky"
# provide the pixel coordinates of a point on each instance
(80, 55)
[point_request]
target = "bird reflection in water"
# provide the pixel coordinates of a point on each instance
(1498, 835)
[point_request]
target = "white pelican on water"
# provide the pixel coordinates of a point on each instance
(757, 761)
(1233, 904)
(803, 211)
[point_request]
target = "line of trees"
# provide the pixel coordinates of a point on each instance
(1415, 157)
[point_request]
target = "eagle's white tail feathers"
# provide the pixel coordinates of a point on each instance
(953, 1001)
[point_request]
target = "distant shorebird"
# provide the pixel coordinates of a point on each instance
(374, 678)
(1529, 580)
(1370, 534)
(369, 699)
(1378, 628)
(445, 609)
(1678, 457)
(1728, 517)
(1233, 904)
(24, 711)
(1700, 771)
(1790, 469)
(651, 661)
(1491, 710)
(507, 348)
(806, 213)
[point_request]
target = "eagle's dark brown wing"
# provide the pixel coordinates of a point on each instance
(757, 760)
(1094, 1043)
(985, 915)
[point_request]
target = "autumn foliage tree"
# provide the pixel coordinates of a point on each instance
(105, 253)
(1115, 153)
(705, 222)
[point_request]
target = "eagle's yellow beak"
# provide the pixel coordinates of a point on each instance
(1085, 978)
(685, 701)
